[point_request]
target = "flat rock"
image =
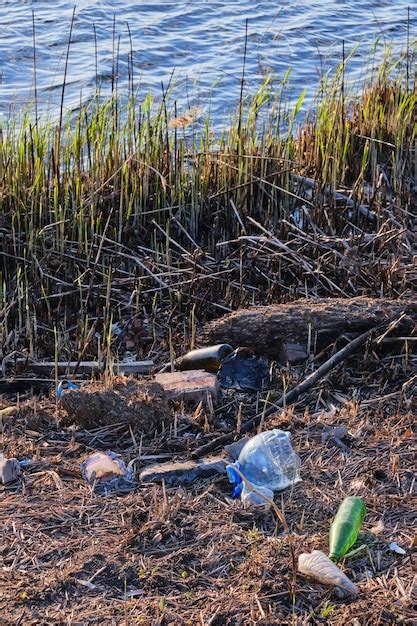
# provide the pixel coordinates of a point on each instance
(9, 470)
(190, 386)
(183, 473)
(235, 448)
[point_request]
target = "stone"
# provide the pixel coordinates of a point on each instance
(190, 386)
(336, 434)
(9, 469)
(183, 473)
(235, 448)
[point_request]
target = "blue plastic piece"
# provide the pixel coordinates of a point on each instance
(63, 386)
(235, 479)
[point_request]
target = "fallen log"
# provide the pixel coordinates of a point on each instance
(288, 332)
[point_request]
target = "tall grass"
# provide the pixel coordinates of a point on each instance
(121, 212)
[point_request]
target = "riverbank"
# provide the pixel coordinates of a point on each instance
(134, 217)
(124, 230)
(191, 555)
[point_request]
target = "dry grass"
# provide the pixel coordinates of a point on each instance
(116, 217)
(176, 556)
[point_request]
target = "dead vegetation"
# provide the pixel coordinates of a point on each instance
(192, 556)
(121, 400)
(121, 235)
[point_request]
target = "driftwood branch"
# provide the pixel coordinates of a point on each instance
(292, 395)
(289, 332)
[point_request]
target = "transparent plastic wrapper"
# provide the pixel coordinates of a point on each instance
(266, 460)
(107, 472)
(252, 500)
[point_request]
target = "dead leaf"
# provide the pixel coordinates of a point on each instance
(185, 120)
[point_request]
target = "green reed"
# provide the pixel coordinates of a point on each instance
(119, 208)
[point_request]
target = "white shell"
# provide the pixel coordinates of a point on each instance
(320, 567)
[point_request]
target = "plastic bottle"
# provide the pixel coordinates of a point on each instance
(345, 526)
(266, 460)
(252, 500)
(209, 358)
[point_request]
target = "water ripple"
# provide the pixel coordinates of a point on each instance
(201, 40)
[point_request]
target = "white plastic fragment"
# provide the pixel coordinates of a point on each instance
(321, 568)
(394, 547)
(9, 469)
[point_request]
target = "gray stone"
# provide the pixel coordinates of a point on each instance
(183, 473)
(9, 469)
(235, 448)
(333, 432)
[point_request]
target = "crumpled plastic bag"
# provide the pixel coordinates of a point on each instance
(244, 371)
(106, 472)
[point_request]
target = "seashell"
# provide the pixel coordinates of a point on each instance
(319, 566)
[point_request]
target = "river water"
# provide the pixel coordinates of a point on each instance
(199, 43)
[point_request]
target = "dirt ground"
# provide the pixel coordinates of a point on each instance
(192, 555)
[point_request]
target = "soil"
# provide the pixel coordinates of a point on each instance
(192, 555)
(141, 404)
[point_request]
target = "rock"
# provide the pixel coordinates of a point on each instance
(141, 404)
(335, 434)
(235, 448)
(190, 386)
(183, 473)
(9, 469)
(331, 432)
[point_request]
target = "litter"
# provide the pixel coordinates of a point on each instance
(9, 469)
(242, 370)
(209, 358)
(394, 547)
(321, 568)
(63, 386)
(106, 472)
(266, 460)
(252, 500)
(345, 526)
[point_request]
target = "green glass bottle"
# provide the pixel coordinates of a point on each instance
(209, 358)
(345, 526)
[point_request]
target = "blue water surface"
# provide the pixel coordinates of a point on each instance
(198, 45)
